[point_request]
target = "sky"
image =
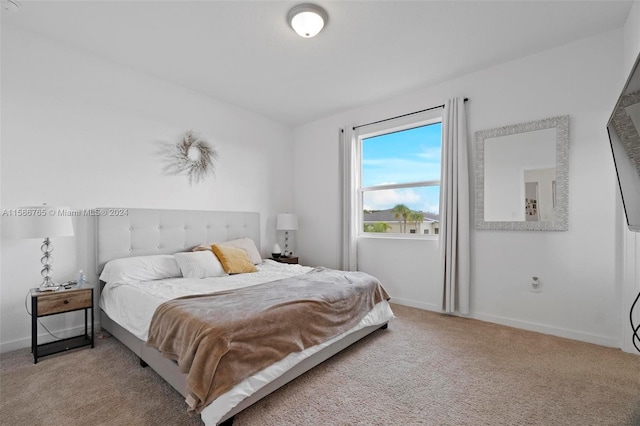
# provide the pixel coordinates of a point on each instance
(411, 155)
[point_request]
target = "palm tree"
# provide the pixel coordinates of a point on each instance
(416, 218)
(402, 211)
(382, 227)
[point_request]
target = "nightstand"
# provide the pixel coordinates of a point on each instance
(290, 259)
(45, 303)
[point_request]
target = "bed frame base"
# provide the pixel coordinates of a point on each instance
(145, 232)
(168, 369)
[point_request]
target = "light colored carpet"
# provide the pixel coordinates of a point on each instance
(425, 369)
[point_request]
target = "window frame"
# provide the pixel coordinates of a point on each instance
(393, 126)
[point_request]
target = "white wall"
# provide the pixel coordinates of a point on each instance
(629, 256)
(577, 268)
(82, 132)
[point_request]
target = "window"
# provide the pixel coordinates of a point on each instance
(399, 181)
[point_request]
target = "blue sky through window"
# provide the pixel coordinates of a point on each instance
(407, 156)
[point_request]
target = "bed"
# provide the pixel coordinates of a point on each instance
(128, 310)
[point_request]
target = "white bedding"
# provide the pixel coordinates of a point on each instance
(132, 305)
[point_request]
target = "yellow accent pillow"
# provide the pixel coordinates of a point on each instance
(234, 260)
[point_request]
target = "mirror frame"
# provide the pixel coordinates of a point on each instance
(561, 124)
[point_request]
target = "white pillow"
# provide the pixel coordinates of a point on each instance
(248, 245)
(140, 268)
(199, 264)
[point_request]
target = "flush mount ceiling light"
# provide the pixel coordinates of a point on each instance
(307, 19)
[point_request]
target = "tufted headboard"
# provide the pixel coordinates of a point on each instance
(125, 232)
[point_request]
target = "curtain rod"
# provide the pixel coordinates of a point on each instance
(403, 115)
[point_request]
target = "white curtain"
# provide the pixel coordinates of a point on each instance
(348, 167)
(454, 209)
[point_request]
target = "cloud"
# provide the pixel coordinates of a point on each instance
(431, 153)
(430, 207)
(424, 199)
(381, 200)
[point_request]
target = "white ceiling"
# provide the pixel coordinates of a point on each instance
(244, 52)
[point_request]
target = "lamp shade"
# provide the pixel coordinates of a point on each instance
(287, 222)
(42, 222)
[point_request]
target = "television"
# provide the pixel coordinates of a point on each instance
(624, 136)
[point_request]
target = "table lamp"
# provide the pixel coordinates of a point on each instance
(286, 222)
(43, 222)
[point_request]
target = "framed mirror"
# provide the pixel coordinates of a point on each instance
(522, 176)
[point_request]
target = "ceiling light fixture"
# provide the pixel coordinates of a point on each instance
(307, 19)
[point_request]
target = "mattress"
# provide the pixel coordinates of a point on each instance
(132, 305)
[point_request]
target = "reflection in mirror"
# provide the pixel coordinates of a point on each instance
(522, 176)
(625, 145)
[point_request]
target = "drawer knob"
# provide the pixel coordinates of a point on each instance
(66, 301)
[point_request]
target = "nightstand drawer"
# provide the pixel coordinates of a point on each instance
(65, 301)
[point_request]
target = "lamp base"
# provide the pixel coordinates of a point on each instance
(47, 261)
(48, 285)
(52, 288)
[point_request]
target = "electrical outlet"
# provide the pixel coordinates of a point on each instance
(535, 284)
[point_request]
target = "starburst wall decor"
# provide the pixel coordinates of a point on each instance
(191, 156)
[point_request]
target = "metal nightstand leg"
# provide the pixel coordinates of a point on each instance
(34, 329)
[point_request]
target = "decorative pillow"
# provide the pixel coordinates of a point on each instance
(244, 243)
(199, 264)
(141, 268)
(234, 260)
(248, 245)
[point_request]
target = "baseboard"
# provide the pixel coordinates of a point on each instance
(44, 337)
(545, 329)
(416, 304)
(524, 325)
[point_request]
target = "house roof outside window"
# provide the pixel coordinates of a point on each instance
(389, 216)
